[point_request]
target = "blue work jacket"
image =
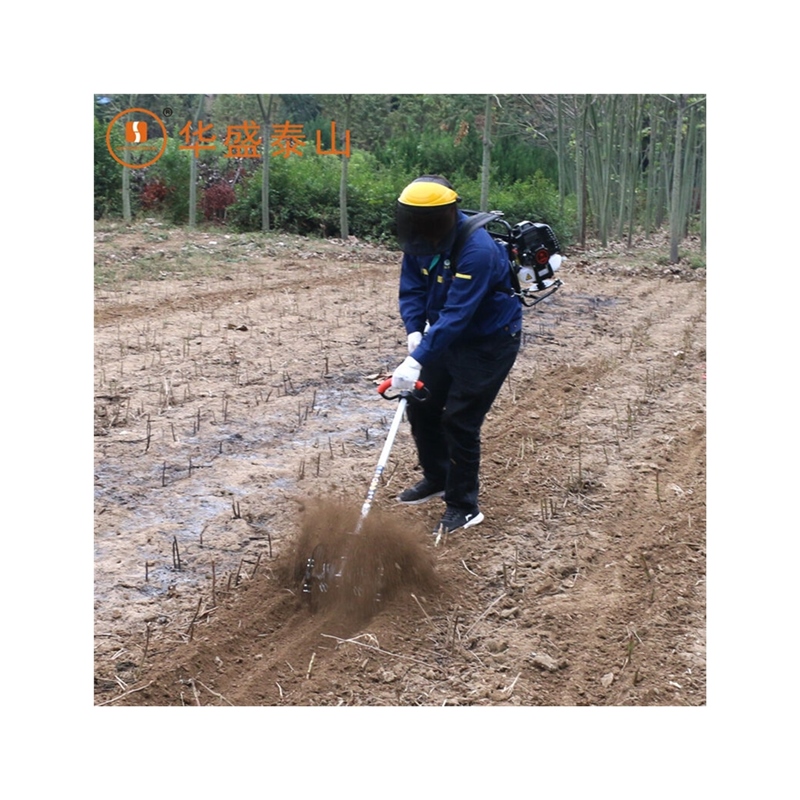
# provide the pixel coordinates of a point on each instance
(470, 302)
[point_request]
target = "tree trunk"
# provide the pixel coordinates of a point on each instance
(127, 214)
(601, 150)
(675, 218)
(487, 154)
(703, 200)
(562, 154)
(193, 173)
(624, 173)
(344, 228)
(581, 106)
(652, 173)
(664, 182)
(126, 194)
(266, 136)
(689, 171)
(635, 165)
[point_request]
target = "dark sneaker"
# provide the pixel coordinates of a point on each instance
(423, 491)
(455, 518)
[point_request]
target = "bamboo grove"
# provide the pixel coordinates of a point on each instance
(634, 161)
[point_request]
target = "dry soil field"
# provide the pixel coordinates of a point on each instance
(237, 425)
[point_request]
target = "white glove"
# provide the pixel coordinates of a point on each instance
(405, 377)
(413, 341)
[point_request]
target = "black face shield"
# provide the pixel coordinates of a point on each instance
(426, 230)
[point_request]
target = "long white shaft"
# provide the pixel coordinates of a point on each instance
(384, 457)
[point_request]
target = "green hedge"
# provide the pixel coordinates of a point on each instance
(535, 199)
(304, 198)
(304, 191)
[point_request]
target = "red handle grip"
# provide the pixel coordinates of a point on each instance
(388, 382)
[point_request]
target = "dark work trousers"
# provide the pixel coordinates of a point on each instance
(446, 427)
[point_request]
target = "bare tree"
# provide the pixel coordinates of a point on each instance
(193, 168)
(487, 154)
(344, 228)
(675, 220)
(266, 136)
(127, 214)
(581, 113)
(561, 147)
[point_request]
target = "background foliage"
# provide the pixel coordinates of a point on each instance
(602, 165)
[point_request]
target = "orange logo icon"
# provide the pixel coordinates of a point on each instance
(138, 151)
(136, 132)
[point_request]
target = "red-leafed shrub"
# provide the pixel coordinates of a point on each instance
(216, 200)
(153, 194)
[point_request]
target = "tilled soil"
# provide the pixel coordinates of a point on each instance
(237, 426)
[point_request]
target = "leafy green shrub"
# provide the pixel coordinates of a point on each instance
(244, 213)
(514, 160)
(435, 152)
(535, 199)
(371, 196)
(304, 194)
(304, 197)
(107, 173)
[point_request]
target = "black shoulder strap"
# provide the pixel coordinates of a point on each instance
(475, 221)
(479, 220)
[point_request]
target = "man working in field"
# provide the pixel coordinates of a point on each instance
(463, 327)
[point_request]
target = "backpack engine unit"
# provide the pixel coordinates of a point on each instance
(534, 253)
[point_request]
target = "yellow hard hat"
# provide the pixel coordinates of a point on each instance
(427, 191)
